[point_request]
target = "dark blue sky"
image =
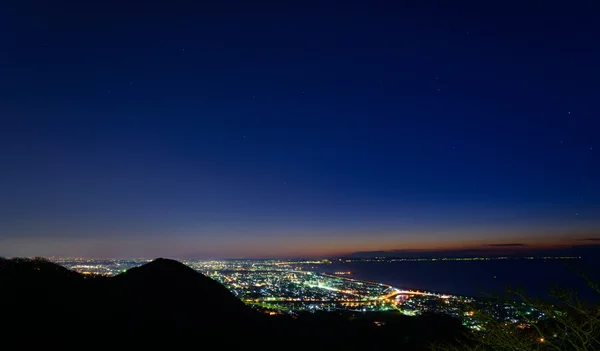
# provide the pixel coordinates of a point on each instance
(296, 129)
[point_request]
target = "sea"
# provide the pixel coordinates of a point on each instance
(478, 278)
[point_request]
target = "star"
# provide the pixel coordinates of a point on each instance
(569, 112)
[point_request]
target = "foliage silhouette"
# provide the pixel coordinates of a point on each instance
(571, 323)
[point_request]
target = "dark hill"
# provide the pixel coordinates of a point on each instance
(158, 302)
(167, 305)
(31, 287)
(35, 270)
(167, 290)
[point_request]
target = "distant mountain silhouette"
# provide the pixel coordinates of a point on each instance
(588, 249)
(165, 304)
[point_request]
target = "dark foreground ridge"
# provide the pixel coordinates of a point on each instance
(167, 305)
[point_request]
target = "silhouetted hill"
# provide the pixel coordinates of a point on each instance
(162, 300)
(165, 304)
(35, 270)
(169, 278)
(167, 290)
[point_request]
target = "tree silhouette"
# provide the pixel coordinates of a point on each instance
(570, 323)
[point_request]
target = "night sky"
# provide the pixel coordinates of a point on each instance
(296, 129)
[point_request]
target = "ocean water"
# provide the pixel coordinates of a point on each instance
(476, 278)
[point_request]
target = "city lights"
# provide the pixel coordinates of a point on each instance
(277, 287)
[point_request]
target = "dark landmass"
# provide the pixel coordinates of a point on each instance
(591, 249)
(167, 305)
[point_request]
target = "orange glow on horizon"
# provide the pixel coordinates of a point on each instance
(298, 245)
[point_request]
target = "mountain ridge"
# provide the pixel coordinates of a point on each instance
(165, 304)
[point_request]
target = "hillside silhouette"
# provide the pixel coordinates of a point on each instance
(166, 290)
(167, 305)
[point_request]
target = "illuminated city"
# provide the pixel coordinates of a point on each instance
(279, 287)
